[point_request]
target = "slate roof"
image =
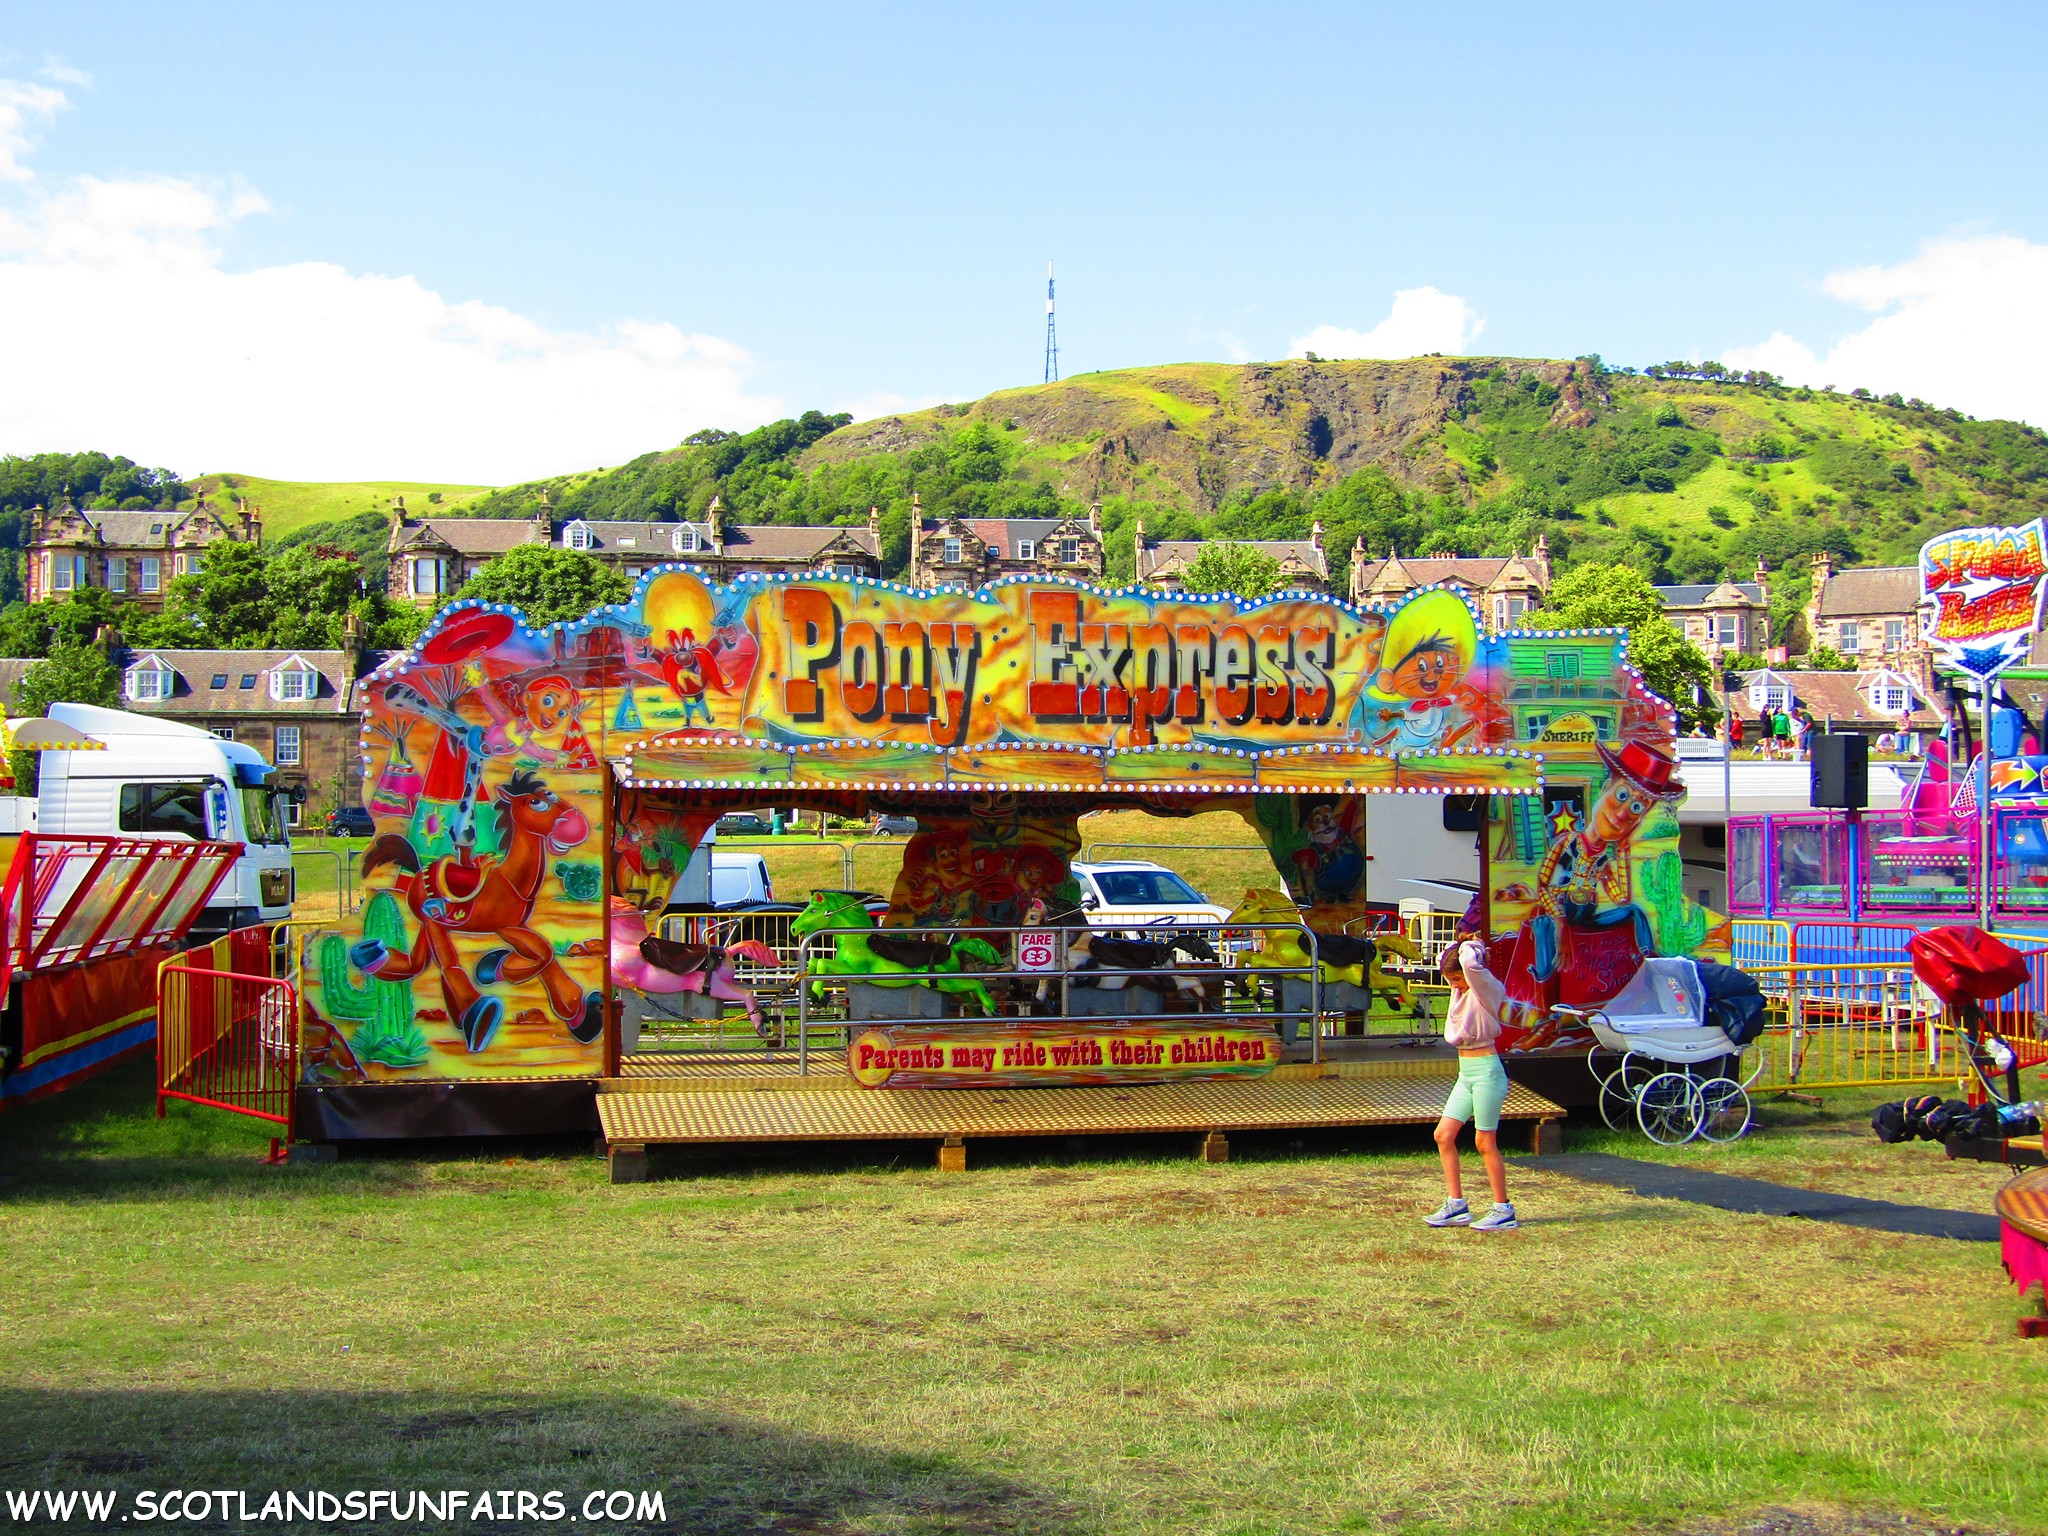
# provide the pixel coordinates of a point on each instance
(195, 693)
(1475, 572)
(1875, 589)
(154, 529)
(1170, 556)
(744, 542)
(1004, 534)
(466, 535)
(1842, 697)
(1696, 596)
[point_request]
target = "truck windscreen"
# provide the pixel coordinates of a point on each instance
(263, 814)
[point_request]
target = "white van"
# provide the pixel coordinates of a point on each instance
(158, 778)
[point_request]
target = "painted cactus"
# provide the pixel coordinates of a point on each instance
(385, 1031)
(1680, 926)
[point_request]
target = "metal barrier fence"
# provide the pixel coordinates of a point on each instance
(1761, 941)
(227, 1040)
(346, 899)
(70, 898)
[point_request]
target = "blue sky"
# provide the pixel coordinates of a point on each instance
(852, 209)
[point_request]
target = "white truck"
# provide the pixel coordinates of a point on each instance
(158, 778)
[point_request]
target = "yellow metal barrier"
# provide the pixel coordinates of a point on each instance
(1850, 1026)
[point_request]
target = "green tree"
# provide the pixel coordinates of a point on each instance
(546, 584)
(1825, 658)
(226, 604)
(313, 589)
(1620, 597)
(32, 629)
(70, 674)
(1250, 573)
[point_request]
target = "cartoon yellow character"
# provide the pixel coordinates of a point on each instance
(1416, 698)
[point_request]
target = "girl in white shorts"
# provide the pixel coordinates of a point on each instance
(1472, 1025)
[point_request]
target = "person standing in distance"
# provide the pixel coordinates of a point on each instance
(1472, 1025)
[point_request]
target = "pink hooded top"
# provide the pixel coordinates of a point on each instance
(1474, 1016)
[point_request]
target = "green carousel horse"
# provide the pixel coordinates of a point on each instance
(882, 955)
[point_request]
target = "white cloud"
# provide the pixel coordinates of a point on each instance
(132, 336)
(1963, 324)
(1422, 320)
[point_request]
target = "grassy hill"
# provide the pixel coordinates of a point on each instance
(1687, 478)
(290, 505)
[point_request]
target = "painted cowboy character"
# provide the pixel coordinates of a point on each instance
(1588, 862)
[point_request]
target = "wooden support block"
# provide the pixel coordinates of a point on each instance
(2033, 1327)
(1548, 1137)
(628, 1162)
(953, 1155)
(1216, 1149)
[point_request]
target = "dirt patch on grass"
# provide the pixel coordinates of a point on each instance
(1825, 1521)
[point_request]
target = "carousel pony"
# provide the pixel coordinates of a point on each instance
(1128, 962)
(882, 956)
(658, 966)
(1347, 957)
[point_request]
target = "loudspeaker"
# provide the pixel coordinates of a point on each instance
(1841, 771)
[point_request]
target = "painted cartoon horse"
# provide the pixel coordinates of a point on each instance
(660, 966)
(881, 955)
(462, 894)
(1342, 956)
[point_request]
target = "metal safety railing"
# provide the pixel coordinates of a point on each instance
(1761, 941)
(69, 898)
(228, 1040)
(346, 898)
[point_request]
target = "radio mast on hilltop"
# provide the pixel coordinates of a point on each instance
(1052, 341)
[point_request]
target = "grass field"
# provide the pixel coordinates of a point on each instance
(291, 504)
(1116, 1340)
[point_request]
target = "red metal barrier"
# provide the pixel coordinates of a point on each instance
(70, 898)
(228, 1040)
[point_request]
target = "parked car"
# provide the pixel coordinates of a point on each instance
(1130, 893)
(742, 824)
(739, 880)
(895, 826)
(350, 821)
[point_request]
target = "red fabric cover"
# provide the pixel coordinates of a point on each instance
(1959, 964)
(2026, 1258)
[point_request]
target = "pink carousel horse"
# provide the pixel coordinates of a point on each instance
(663, 966)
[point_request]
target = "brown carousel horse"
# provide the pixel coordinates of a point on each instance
(462, 894)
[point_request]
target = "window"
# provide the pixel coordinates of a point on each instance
(951, 553)
(294, 682)
(1895, 635)
(149, 681)
(152, 574)
(579, 537)
(627, 543)
(1027, 549)
(1849, 638)
(1508, 610)
(117, 574)
(686, 541)
(220, 680)
(67, 572)
(1890, 696)
(1767, 694)
(248, 680)
(292, 809)
(1561, 666)
(224, 732)
(179, 808)
(1070, 551)
(287, 746)
(429, 578)
(1144, 888)
(186, 565)
(1727, 630)
(845, 568)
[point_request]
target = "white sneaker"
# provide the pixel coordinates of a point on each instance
(1452, 1213)
(1499, 1219)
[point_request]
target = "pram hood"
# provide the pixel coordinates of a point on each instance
(1664, 993)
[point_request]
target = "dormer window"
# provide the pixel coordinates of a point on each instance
(1027, 549)
(1890, 695)
(294, 681)
(578, 537)
(951, 552)
(686, 540)
(1070, 551)
(150, 680)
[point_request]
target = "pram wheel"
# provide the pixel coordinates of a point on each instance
(1724, 1109)
(1668, 1109)
(1617, 1100)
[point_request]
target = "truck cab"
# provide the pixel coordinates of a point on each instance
(161, 779)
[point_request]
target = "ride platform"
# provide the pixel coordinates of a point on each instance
(690, 1098)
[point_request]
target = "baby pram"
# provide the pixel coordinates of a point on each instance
(1680, 1029)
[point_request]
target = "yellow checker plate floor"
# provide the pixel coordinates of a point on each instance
(781, 1113)
(2023, 1204)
